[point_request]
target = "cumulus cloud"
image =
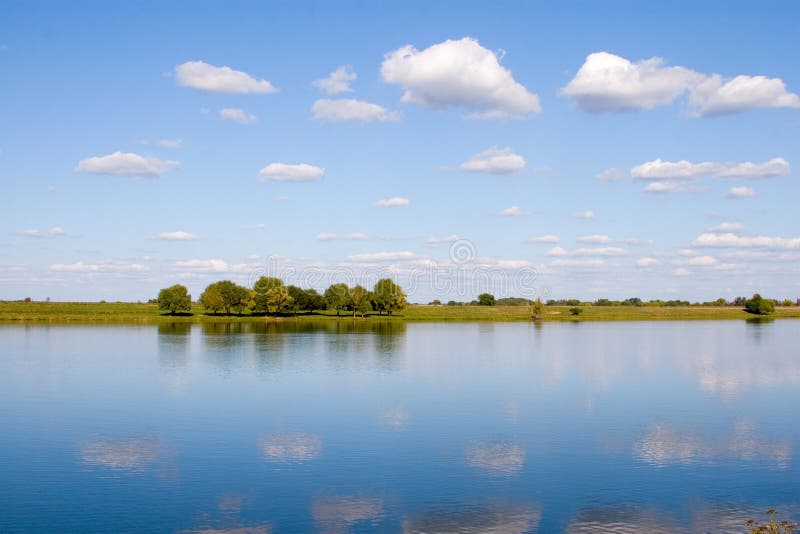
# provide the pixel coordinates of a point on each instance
(176, 236)
(732, 240)
(727, 227)
(595, 239)
(211, 266)
(55, 231)
(237, 115)
(100, 267)
(647, 262)
(494, 161)
(350, 109)
(337, 82)
(579, 263)
(681, 271)
(382, 256)
(170, 143)
(326, 237)
(286, 172)
(545, 239)
(513, 211)
(610, 175)
(126, 164)
(607, 82)
(748, 169)
(671, 186)
(638, 242)
(588, 251)
(583, 215)
(669, 171)
(719, 96)
(437, 241)
(393, 202)
(741, 192)
(204, 77)
(703, 261)
(458, 73)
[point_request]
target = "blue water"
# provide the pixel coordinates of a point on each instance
(392, 427)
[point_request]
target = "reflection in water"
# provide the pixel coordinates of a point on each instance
(238, 529)
(474, 520)
(135, 455)
(395, 418)
(623, 520)
(291, 447)
(498, 458)
(339, 514)
(665, 444)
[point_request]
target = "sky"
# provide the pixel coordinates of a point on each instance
(563, 150)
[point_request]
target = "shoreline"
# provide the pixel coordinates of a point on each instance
(29, 313)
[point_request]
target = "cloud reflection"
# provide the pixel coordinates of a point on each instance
(623, 520)
(340, 513)
(395, 418)
(497, 458)
(291, 447)
(474, 520)
(135, 455)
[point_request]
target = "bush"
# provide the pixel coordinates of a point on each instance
(575, 311)
(759, 305)
(486, 299)
(174, 299)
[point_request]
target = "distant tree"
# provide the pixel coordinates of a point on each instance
(787, 302)
(486, 299)
(759, 305)
(602, 302)
(174, 299)
(28, 299)
(299, 298)
(314, 301)
(435, 302)
(211, 299)
(388, 296)
(537, 309)
(336, 297)
(721, 302)
(262, 287)
(228, 296)
(575, 311)
(453, 303)
(358, 300)
(278, 299)
(634, 301)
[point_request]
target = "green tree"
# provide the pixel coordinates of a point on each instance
(262, 287)
(211, 299)
(537, 309)
(486, 299)
(175, 299)
(336, 297)
(388, 296)
(759, 305)
(575, 311)
(228, 296)
(314, 301)
(278, 298)
(358, 300)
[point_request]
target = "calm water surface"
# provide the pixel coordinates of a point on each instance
(392, 427)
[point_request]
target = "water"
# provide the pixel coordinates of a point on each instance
(390, 427)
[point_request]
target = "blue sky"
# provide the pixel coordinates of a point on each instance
(489, 121)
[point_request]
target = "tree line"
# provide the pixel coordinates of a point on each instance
(270, 295)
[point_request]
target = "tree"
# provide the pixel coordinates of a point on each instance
(486, 299)
(314, 301)
(575, 311)
(336, 297)
(388, 296)
(358, 300)
(278, 298)
(759, 305)
(174, 299)
(211, 299)
(226, 295)
(262, 287)
(537, 310)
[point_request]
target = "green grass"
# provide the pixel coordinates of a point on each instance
(132, 313)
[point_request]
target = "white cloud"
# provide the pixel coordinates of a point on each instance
(607, 82)
(748, 169)
(647, 262)
(545, 239)
(727, 227)
(212, 266)
(513, 211)
(349, 109)
(356, 236)
(583, 215)
(126, 164)
(393, 202)
(170, 143)
(741, 192)
(669, 186)
(285, 172)
(108, 267)
(681, 271)
(595, 239)
(494, 161)
(719, 96)
(337, 81)
(668, 171)
(563, 262)
(204, 77)
(588, 251)
(638, 242)
(437, 241)
(659, 169)
(732, 240)
(382, 256)
(237, 115)
(610, 175)
(257, 226)
(176, 236)
(458, 73)
(55, 231)
(703, 261)
(325, 237)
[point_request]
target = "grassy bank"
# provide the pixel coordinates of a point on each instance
(76, 312)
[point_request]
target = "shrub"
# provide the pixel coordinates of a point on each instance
(759, 305)
(575, 311)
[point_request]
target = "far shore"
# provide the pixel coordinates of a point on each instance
(135, 313)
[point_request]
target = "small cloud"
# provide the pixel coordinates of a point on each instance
(55, 231)
(51, 189)
(703, 261)
(438, 241)
(588, 251)
(285, 172)
(325, 237)
(727, 227)
(741, 192)
(257, 226)
(583, 215)
(176, 236)
(337, 81)
(237, 115)
(637, 242)
(611, 175)
(356, 236)
(204, 77)
(283, 198)
(680, 271)
(513, 211)
(126, 164)
(647, 262)
(595, 239)
(393, 202)
(545, 239)
(170, 143)
(494, 161)
(382, 256)
(350, 109)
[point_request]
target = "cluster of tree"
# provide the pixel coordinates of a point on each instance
(759, 306)
(269, 295)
